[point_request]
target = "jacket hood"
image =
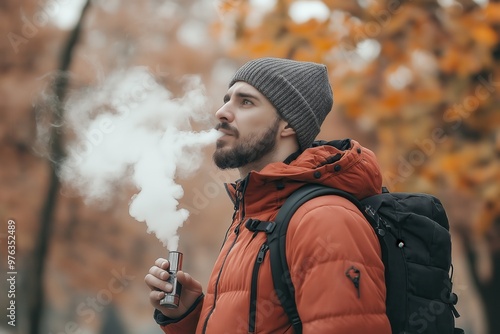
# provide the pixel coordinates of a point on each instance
(342, 164)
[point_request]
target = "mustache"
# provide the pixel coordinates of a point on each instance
(226, 126)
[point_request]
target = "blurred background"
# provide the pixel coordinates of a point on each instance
(418, 82)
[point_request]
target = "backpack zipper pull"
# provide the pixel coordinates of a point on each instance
(354, 275)
(262, 252)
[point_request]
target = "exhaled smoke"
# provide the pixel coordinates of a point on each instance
(131, 129)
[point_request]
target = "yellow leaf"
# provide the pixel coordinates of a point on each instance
(492, 12)
(485, 35)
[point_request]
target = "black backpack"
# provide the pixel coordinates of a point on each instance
(414, 236)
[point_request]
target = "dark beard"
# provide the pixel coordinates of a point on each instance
(248, 150)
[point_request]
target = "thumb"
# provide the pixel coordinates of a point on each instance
(185, 279)
(188, 282)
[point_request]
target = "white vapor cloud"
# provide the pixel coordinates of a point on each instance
(132, 130)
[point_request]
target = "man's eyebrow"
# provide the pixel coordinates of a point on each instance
(241, 95)
(246, 95)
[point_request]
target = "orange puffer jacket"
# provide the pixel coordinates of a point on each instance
(326, 237)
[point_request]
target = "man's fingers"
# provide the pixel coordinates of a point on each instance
(156, 296)
(162, 263)
(184, 278)
(158, 272)
(188, 282)
(155, 283)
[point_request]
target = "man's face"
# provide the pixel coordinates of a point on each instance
(250, 125)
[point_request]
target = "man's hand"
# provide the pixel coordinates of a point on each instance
(157, 282)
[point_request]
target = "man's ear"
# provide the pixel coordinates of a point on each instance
(286, 130)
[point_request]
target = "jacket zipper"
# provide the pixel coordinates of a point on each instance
(236, 230)
(239, 199)
(253, 289)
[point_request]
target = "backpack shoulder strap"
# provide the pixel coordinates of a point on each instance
(277, 245)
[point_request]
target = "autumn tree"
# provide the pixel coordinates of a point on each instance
(416, 80)
(68, 251)
(421, 79)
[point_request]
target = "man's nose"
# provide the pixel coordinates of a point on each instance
(225, 113)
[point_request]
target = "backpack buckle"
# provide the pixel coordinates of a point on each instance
(256, 225)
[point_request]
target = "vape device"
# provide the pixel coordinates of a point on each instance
(171, 299)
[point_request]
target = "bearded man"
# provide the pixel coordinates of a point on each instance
(272, 113)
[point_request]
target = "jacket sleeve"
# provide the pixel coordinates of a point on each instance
(185, 324)
(328, 246)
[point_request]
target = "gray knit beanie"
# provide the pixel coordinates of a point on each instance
(300, 92)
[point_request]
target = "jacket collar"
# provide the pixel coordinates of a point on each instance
(342, 164)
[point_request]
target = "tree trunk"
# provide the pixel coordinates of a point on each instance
(489, 291)
(36, 294)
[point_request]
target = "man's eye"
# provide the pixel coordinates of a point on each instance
(247, 102)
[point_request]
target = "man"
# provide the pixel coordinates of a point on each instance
(271, 115)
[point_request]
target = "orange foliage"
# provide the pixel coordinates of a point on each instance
(492, 12)
(402, 106)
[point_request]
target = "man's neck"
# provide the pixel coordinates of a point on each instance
(257, 166)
